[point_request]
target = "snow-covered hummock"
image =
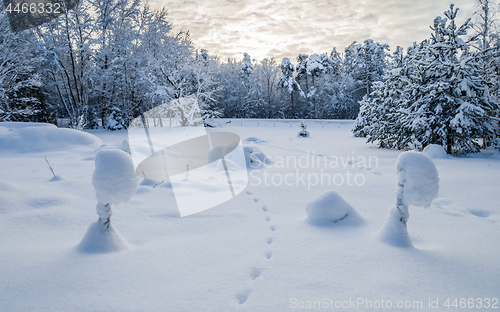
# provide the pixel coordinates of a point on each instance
(255, 158)
(25, 137)
(115, 182)
(419, 176)
(435, 151)
(330, 207)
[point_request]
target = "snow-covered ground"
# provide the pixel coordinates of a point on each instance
(257, 251)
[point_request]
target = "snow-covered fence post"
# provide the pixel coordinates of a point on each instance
(418, 185)
(115, 182)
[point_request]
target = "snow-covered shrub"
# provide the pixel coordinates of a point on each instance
(435, 151)
(418, 185)
(303, 133)
(115, 182)
(330, 207)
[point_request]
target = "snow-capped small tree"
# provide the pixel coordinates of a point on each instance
(418, 185)
(115, 182)
(115, 120)
(303, 133)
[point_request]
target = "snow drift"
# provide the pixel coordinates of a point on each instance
(33, 138)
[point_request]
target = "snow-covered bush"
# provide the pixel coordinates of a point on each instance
(418, 185)
(115, 182)
(303, 133)
(330, 207)
(435, 151)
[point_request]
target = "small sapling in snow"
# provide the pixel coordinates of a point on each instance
(115, 182)
(303, 133)
(418, 185)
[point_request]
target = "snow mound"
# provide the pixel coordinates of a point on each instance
(393, 231)
(45, 139)
(255, 158)
(3, 129)
(15, 125)
(435, 151)
(114, 178)
(419, 175)
(331, 207)
(101, 239)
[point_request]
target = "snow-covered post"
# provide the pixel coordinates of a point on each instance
(418, 185)
(115, 182)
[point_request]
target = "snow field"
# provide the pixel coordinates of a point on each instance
(256, 252)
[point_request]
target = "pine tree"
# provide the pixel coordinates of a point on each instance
(450, 103)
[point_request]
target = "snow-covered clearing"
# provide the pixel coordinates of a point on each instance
(257, 251)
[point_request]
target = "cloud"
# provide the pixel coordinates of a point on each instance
(285, 28)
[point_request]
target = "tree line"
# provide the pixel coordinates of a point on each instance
(111, 60)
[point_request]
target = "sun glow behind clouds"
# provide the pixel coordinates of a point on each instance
(285, 28)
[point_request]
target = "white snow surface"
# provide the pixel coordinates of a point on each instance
(114, 179)
(419, 175)
(330, 207)
(435, 151)
(253, 252)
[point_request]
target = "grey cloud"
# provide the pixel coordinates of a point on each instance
(285, 28)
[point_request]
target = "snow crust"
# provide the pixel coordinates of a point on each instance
(419, 175)
(435, 151)
(330, 207)
(114, 178)
(25, 138)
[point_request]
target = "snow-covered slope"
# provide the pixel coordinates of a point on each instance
(256, 252)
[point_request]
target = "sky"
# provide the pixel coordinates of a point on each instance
(285, 28)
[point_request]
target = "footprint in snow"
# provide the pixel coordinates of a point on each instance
(242, 297)
(255, 272)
